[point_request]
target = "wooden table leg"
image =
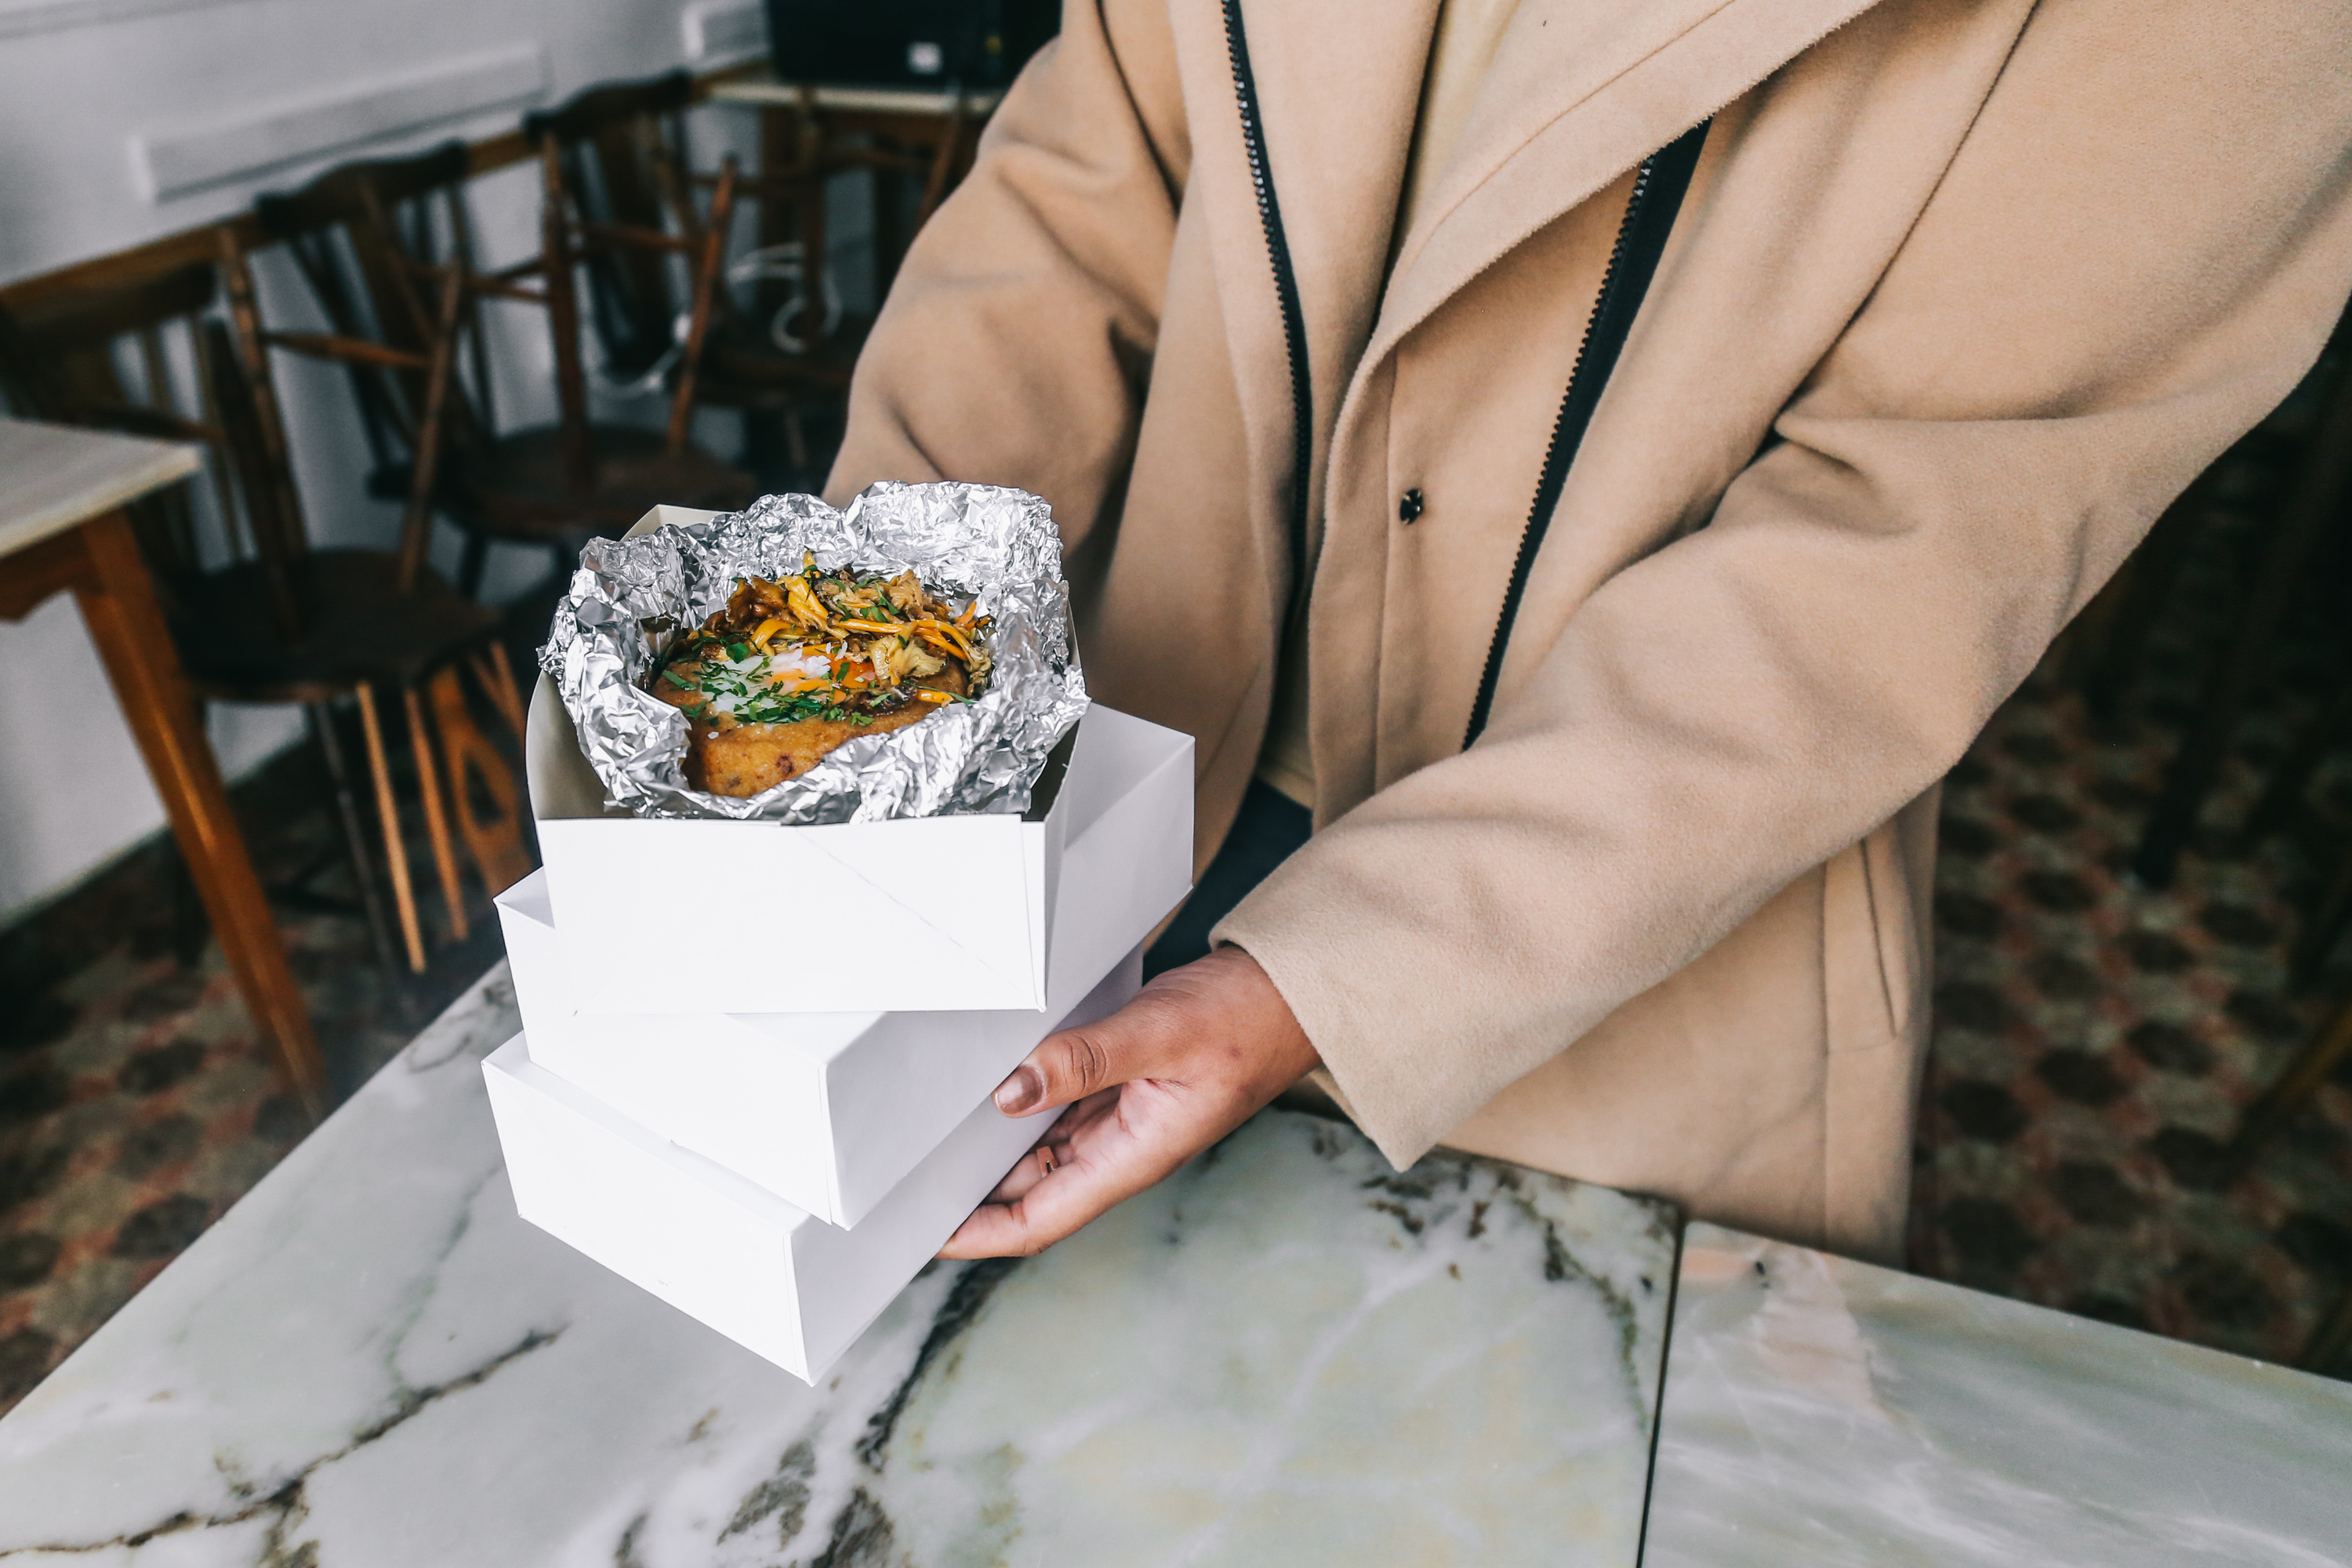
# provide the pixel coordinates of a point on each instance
(118, 603)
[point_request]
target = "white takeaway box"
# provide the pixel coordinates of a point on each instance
(925, 914)
(724, 1250)
(827, 1110)
(929, 914)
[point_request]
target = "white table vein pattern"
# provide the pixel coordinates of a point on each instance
(1289, 1353)
(1829, 1413)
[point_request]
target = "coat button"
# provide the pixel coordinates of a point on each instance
(1409, 506)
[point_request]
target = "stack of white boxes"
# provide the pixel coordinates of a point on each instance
(756, 1060)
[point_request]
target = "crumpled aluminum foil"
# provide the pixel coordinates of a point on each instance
(631, 598)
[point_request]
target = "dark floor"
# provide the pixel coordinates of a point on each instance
(2093, 1045)
(2095, 1042)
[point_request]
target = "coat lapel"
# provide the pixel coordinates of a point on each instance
(1580, 91)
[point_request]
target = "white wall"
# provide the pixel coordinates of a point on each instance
(121, 121)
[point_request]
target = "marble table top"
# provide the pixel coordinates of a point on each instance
(1287, 1354)
(53, 477)
(1829, 1413)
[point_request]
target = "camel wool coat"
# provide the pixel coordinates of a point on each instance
(1962, 294)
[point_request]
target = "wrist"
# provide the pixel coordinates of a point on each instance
(1285, 1054)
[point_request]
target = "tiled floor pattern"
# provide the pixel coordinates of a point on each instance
(2093, 1045)
(136, 1105)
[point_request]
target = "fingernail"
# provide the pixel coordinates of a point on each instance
(1023, 1091)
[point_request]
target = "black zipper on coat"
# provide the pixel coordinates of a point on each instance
(1650, 211)
(1286, 289)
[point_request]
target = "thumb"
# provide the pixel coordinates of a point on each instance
(1072, 1064)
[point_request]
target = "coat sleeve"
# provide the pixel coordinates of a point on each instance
(1013, 346)
(2134, 253)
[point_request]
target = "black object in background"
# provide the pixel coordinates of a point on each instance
(907, 43)
(1270, 828)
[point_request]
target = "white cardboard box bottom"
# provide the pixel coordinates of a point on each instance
(943, 913)
(723, 1250)
(827, 1110)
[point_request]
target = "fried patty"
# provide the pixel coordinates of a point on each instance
(745, 759)
(793, 667)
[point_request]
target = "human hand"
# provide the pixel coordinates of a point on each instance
(1197, 1052)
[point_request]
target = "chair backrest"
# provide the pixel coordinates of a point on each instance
(362, 234)
(793, 306)
(617, 201)
(621, 151)
(147, 354)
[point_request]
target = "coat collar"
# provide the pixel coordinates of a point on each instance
(1580, 91)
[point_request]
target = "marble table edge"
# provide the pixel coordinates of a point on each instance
(54, 477)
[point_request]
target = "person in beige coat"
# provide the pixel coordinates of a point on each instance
(1609, 456)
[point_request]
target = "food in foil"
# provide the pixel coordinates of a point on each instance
(986, 563)
(794, 667)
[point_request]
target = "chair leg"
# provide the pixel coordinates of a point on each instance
(2303, 1078)
(437, 822)
(2322, 927)
(387, 806)
(2310, 511)
(796, 446)
(2106, 643)
(496, 842)
(2292, 776)
(471, 562)
(191, 928)
(2331, 1339)
(497, 676)
(347, 810)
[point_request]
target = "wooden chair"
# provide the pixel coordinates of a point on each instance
(617, 208)
(2319, 483)
(779, 343)
(261, 616)
(365, 235)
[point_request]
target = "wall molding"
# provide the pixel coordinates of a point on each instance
(20, 17)
(174, 162)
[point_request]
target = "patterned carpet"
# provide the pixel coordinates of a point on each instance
(2095, 1043)
(135, 1103)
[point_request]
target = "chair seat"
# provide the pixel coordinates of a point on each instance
(740, 363)
(358, 627)
(516, 488)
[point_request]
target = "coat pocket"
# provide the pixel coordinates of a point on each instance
(1874, 936)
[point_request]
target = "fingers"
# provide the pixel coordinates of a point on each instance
(993, 1230)
(1048, 1208)
(1068, 1066)
(1035, 1167)
(1149, 1086)
(1104, 1151)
